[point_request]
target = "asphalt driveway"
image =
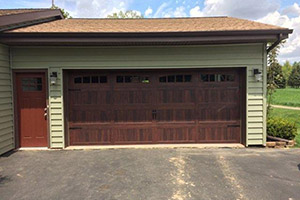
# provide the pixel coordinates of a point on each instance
(178, 174)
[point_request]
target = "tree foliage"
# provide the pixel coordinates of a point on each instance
(127, 14)
(294, 78)
(64, 12)
(287, 69)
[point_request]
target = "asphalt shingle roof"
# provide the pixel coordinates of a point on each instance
(201, 24)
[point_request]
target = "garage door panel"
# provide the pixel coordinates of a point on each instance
(217, 134)
(218, 113)
(91, 97)
(174, 133)
(218, 95)
(133, 115)
(133, 135)
(132, 97)
(87, 115)
(176, 115)
(175, 95)
(90, 135)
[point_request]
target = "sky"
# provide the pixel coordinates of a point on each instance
(285, 13)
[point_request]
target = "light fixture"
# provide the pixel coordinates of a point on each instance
(53, 78)
(257, 74)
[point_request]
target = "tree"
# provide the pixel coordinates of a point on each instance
(275, 69)
(65, 13)
(274, 74)
(287, 69)
(294, 79)
(279, 79)
(127, 14)
(296, 64)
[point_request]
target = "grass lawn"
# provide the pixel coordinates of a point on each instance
(292, 115)
(286, 97)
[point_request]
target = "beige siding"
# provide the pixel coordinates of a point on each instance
(58, 58)
(6, 106)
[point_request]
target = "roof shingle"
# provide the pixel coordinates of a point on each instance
(202, 24)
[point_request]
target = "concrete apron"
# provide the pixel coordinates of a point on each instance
(140, 146)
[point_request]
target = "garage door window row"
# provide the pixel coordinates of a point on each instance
(162, 79)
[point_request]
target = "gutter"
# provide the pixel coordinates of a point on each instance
(280, 37)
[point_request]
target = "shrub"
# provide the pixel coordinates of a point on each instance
(294, 79)
(282, 128)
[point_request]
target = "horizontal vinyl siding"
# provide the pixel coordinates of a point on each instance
(56, 111)
(164, 57)
(6, 106)
(137, 57)
(256, 105)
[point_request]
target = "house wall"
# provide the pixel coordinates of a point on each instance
(6, 106)
(59, 58)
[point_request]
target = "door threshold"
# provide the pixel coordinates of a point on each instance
(153, 146)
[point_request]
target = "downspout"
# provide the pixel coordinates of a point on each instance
(279, 39)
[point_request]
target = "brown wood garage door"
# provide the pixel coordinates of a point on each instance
(162, 106)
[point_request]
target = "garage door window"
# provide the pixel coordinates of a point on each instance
(216, 77)
(90, 79)
(175, 78)
(132, 79)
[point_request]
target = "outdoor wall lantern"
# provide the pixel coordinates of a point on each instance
(257, 74)
(53, 78)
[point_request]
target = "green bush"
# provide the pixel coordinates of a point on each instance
(282, 128)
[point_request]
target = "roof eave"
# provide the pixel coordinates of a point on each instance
(209, 37)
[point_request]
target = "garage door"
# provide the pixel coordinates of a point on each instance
(146, 107)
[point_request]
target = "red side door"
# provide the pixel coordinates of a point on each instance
(31, 105)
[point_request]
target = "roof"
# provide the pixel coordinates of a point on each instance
(17, 18)
(50, 28)
(4, 12)
(201, 24)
